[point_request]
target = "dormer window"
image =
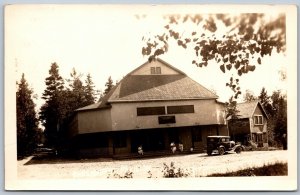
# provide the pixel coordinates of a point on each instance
(155, 70)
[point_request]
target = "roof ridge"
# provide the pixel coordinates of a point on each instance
(252, 101)
(203, 87)
(174, 68)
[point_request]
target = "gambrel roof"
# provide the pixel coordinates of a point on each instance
(139, 86)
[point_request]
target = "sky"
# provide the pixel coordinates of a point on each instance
(107, 41)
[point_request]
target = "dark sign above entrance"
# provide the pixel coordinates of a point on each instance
(166, 119)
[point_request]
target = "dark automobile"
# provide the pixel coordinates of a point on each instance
(221, 145)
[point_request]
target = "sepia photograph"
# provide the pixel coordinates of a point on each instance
(150, 97)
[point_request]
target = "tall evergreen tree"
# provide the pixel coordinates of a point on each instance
(109, 85)
(90, 92)
(279, 104)
(27, 123)
(76, 92)
(52, 111)
(265, 101)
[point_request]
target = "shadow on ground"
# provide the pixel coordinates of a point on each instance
(51, 158)
(45, 158)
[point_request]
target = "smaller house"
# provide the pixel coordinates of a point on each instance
(251, 124)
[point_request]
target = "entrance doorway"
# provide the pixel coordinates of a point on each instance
(150, 140)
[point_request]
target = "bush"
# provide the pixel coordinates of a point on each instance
(127, 175)
(172, 172)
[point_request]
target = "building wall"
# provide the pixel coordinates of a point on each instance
(124, 115)
(145, 70)
(258, 128)
(73, 126)
(94, 121)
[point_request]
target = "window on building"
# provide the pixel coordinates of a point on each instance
(258, 120)
(155, 70)
(152, 70)
(144, 111)
(180, 109)
(120, 140)
(166, 119)
(158, 70)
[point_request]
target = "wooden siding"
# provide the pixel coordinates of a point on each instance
(145, 70)
(94, 121)
(124, 115)
(258, 128)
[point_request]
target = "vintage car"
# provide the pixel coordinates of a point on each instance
(221, 145)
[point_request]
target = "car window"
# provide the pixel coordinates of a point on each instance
(223, 139)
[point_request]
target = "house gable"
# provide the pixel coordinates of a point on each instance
(259, 111)
(141, 86)
(248, 109)
(156, 67)
(168, 83)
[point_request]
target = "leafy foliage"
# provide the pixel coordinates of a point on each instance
(249, 96)
(231, 110)
(171, 171)
(27, 122)
(128, 175)
(234, 42)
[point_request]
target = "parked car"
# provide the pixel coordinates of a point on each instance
(221, 145)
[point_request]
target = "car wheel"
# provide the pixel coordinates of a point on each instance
(238, 150)
(221, 150)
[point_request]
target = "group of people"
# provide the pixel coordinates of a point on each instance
(173, 148)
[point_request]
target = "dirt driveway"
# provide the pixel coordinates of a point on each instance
(196, 165)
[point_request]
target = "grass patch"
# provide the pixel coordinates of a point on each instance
(277, 169)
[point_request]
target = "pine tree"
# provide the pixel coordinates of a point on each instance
(279, 118)
(52, 112)
(27, 123)
(89, 90)
(265, 101)
(109, 85)
(76, 92)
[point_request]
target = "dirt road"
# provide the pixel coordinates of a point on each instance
(196, 165)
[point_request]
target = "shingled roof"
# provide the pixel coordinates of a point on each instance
(159, 87)
(138, 88)
(246, 109)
